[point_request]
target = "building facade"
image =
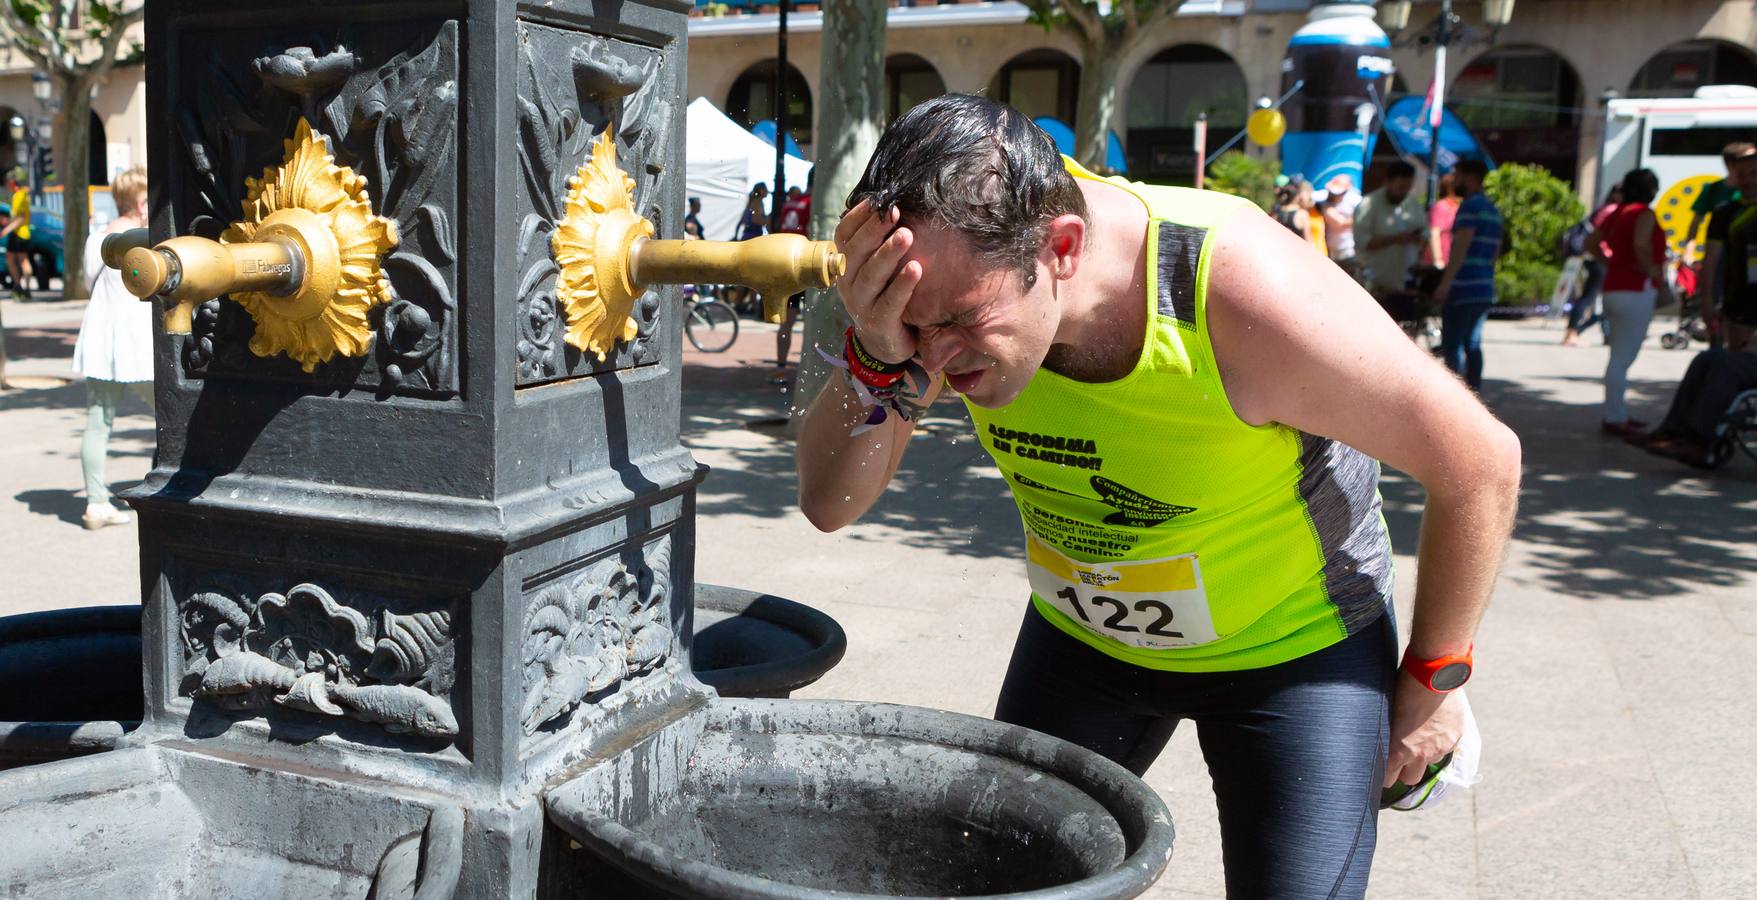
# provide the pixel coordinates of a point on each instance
(1532, 94)
(118, 122)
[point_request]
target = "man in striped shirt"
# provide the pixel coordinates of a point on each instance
(1467, 289)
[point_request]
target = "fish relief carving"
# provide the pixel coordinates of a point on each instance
(305, 650)
(590, 633)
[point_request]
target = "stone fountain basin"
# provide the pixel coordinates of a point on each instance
(70, 682)
(801, 798)
(150, 823)
(751, 644)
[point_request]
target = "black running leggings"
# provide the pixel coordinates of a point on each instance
(1296, 751)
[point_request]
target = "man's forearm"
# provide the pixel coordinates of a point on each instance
(1464, 531)
(842, 475)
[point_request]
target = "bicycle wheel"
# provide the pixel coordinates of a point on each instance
(712, 326)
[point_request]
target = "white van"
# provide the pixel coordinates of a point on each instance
(1680, 139)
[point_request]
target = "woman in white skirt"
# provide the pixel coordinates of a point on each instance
(1633, 247)
(114, 351)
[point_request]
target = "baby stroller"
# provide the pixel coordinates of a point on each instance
(1691, 325)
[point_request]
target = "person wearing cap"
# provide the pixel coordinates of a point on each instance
(1188, 405)
(1718, 193)
(1730, 264)
(1340, 202)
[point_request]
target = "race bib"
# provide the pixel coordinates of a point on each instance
(1152, 604)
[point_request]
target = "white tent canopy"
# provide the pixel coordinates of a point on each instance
(723, 162)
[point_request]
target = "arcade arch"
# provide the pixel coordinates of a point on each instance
(752, 99)
(1041, 82)
(1524, 103)
(1166, 95)
(1681, 68)
(909, 79)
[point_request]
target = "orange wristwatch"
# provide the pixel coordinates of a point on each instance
(1442, 675)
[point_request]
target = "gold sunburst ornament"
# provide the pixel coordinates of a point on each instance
(592, 245)
(323, 209)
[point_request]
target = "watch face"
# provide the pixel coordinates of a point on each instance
(1451, 676)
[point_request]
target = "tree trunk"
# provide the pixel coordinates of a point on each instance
(1098, 67)
(850, 107)
(73, 165)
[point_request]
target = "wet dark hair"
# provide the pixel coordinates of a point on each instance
(977, 167)
(1640, 186)
(1399, 169)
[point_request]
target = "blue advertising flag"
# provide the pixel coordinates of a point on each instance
(1406, 124)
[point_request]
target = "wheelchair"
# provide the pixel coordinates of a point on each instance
(1737, 430)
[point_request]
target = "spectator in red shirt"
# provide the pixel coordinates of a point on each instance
(795, 212)
(1633, 246)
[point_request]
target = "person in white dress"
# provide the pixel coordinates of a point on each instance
(114, 351)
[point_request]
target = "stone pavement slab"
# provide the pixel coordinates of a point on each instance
(47, 558)
(1614, 694)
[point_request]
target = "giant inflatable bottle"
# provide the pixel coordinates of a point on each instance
(1344, 58)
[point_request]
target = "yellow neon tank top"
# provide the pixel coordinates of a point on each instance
(1162, 529)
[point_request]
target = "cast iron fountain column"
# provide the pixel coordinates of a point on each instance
(417, 548)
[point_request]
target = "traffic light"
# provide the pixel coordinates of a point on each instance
(43, 168)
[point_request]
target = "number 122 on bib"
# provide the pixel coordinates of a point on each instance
(1151, 604)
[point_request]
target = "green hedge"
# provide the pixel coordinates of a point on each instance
(1240, 175)
(1536, 207)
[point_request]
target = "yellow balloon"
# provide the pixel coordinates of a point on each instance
(1266, 126)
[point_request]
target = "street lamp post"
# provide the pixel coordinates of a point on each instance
(1437, 114)
(1443, 32)
(779, 194)
(43, 90)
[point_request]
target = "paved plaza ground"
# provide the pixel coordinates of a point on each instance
(1615, 687)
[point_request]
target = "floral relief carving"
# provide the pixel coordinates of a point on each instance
(387, 108)
(589, 633)
(559, 114)
(305, 650)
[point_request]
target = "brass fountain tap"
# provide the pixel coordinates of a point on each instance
(304, 260)
(608, 256)
(309, 271)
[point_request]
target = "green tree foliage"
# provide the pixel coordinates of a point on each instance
(1537, 207)
(77, 43)
(1106, 35)
(1239, 174)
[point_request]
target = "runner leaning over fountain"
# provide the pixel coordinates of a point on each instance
(1186, 401)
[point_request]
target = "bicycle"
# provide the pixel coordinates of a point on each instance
(710, 324)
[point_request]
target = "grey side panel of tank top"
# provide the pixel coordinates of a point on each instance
(1340, 488)
(1179, 253)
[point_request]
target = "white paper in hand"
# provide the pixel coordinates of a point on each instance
(1464, 771)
